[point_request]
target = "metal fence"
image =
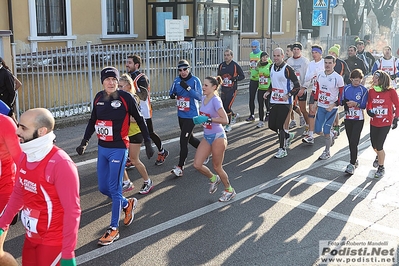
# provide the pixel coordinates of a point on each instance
(65, 80)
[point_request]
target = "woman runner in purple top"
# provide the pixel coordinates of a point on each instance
(213, 117)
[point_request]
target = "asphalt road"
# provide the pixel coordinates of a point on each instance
(283, 208)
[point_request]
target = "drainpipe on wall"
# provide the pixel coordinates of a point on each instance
(263, 21)
(10, 21)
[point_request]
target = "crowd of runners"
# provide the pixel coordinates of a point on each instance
(284, 84)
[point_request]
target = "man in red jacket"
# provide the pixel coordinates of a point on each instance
(47, 192)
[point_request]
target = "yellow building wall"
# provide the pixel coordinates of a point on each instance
(86, 22)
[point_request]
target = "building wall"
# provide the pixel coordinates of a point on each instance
(87, 23)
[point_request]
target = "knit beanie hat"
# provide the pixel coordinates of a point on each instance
(335, 49)
(109, 72)
(263, 54)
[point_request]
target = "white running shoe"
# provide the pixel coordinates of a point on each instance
(147, 186)
(308, 140)
(289, 140)
(325, 155)
(260, 124)
(306, 131)
(227, 128)
(281, 153)
(302, 121)
(207, 159)
(177, 171)
(292, 124)
(214, 185)
(226, 196)
(234, 118)
(127, 186)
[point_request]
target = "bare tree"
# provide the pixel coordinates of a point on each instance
(383, 11)
(355, 18)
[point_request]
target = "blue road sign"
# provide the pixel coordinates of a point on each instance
(320, 17)
(333, 3)
(320, 3)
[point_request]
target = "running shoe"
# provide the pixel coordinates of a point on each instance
(226, 196)
(147, 186)
(129, 164)
(177, 170)
(127, 186)
(161, 157)
(289, 140)
(302, 121)
(234, 118)
(375, 163)
(380, 172)
(109, 237)
(251, 118)
(267, 117)
(260, 124)
(292, 124)
(325, 155)
(207, 159)
(306, 131)
(129, 211)
(214, 185)
(350, 169)
(308, 139)
(227, 128)
(281, 153)
(357, 164)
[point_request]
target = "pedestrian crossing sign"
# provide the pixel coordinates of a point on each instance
(320, 3)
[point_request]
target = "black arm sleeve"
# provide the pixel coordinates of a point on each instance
(241, 74)
(290, 74)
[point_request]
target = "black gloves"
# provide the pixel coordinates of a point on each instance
(185, 85)
(82, 147)
(393, 76)
(370, 113)
(395, 123)
(148, 149)
(173, 96)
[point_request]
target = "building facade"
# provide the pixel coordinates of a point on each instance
(37, 24)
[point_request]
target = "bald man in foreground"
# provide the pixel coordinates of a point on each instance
(47, 192)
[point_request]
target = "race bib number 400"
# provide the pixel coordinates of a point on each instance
(104, 130)
(183, 103)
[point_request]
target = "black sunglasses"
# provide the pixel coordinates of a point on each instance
(182, 69)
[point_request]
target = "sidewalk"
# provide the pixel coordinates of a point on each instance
(70, 131)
